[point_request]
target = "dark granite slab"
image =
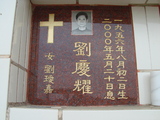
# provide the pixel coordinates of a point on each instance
(83, 70)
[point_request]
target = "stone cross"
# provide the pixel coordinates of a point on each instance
(51, 24)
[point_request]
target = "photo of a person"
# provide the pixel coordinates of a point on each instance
(81, 23)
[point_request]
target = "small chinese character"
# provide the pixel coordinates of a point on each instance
(118, 41)
(108, 34)
(82, 68)
(108, 71)
(109, 86)
(108, 48)
(121, 64)
(49, 68)
(119, 35)
(109, 95)
(83, 48)
(83, 85)
(122, 86)
(120, 49)
(49, 56)
(107, 21)
(108, 57)
(122, 95)
(48, 89)
(49, 78)
(121, 56)
(108, 41)
(108, 64)
(119, 27)
(122, 79)
(121, 72)
(107, 26)
(109, 78)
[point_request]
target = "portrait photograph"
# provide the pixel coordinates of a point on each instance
(82, 23)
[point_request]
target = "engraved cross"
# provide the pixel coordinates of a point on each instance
(51, 24)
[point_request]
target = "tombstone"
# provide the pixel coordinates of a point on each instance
(82, 56)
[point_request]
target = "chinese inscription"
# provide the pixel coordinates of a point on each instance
(117, 39)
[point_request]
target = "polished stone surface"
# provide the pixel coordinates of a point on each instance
(97, 69)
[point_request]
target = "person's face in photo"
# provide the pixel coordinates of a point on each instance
(82, 21)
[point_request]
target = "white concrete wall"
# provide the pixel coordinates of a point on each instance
(7, 13)
(146, 21)
(4, 72)
(142, 52)
(83, 114)
(15, 17)
(19, 52)
(33, 114)
(111, 115)
(7, 10)
(153, 24)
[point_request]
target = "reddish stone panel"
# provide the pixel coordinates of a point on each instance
(106, 76)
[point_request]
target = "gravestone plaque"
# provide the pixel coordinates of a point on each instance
(82, 56)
